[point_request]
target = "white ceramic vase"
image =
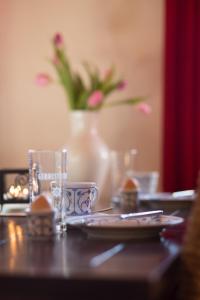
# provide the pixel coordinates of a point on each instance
(88, 155)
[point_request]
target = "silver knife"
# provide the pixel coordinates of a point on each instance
(142, 214)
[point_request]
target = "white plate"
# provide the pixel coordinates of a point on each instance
(128, 229)
(178, 197)
(167, 202)
(77, 221)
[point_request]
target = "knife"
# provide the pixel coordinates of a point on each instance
(141, 214)
(98, 260)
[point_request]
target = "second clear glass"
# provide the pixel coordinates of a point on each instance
(122, 166)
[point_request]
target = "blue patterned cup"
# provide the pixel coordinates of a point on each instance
(80, 197)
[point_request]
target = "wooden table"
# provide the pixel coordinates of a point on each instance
(60, 268)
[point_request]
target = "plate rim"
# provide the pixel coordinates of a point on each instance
(94, 226)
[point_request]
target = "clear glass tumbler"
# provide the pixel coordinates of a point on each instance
(148, 181)
(122, 166)
(48, 174)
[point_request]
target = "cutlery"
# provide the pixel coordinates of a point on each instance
(104, 256)
(141, 214)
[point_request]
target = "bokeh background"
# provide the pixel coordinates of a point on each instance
(127, 33)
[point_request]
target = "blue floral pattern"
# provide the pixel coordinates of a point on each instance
(79, 201)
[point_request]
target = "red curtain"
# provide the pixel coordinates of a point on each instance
(181, 138)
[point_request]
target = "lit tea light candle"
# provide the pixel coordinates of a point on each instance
(16, 192)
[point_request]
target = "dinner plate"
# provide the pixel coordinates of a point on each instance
(166, 202)
(177, 196)
(113, 228)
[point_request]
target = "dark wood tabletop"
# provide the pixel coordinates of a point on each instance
(61, 267)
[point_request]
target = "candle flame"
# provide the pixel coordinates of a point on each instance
(16, 192)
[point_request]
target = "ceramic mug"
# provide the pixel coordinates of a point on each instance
(80, 197)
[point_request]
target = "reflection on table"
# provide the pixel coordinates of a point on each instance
(61, 266)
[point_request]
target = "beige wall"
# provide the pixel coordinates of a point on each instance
(128, 33)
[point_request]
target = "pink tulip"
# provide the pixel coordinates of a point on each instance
(121, 85)
(43, 79)
(145, 108)
(58, 40)
(95, 98)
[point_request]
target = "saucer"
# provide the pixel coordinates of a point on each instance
(114, 228)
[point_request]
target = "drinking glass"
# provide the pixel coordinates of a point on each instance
(48, 174)
(122, 166)
(148, 181)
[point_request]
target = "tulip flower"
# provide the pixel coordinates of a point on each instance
(43, 79)
(95, 99)
(58, 40)
(121, 85)
(145, 108)
(90, 92)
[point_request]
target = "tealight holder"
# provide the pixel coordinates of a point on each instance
(129, 201)
(41, 225)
